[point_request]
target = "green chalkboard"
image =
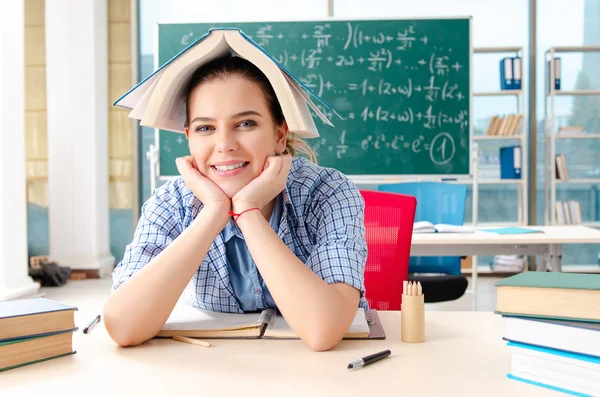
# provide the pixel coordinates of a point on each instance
(402, 86)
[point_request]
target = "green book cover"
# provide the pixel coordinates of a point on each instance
(37, 361)
(11, 341)
(539, 316)
(25, 307)
(552, 280)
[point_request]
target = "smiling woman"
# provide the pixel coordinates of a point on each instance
(249, 222)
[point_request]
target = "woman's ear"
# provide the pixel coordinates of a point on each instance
(281, 139)
(187, 132)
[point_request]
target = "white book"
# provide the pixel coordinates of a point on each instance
(575, 211)
(560, 213)
(428, 227)
(189, 321)
(568, 220)
(570, 336)
(572, 372)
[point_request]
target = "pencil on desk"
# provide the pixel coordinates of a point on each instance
(192, 341)
(405, 287)
(419, 289)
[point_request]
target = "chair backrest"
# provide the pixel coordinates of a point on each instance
(437, 202)
(389, 219)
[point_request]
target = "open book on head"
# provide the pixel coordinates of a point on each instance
(159, 100)
(428, 227)
(192, 322)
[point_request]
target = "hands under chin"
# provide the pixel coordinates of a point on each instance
(265, 187)
(211, 195)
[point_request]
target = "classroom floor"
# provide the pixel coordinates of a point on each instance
(94, 293)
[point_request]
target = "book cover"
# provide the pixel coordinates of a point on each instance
(25, 307)
(159, 100)
(35, 316)
(577, 374)
(19, 352)
(568, 336)
(555, 295)
(552, 280)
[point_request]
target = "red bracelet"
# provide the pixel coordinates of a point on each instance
(236, 216)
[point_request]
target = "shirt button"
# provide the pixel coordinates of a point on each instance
(257, 291)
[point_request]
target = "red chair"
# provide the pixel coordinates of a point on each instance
(389, 219)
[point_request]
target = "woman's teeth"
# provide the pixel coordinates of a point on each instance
(229, 167)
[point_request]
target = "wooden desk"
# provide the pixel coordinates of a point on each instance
(548, 245)
(464, 355)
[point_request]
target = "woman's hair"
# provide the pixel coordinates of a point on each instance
(235, 66)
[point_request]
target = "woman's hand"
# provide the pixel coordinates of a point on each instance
(265, 187)
(211, 195)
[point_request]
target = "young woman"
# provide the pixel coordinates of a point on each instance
(249, 223)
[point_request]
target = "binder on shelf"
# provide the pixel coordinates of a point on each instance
(557, 73)
(510, 162)
(506, 74)
(517, 72)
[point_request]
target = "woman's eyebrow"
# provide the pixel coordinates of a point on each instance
(246, 113)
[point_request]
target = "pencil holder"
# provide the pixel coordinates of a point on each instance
(413, 318)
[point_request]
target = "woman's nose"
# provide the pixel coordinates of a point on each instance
(226, 141)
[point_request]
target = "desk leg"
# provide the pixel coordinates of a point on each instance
(474, 281)
(555, 257)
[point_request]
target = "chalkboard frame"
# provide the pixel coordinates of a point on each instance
(356, 178)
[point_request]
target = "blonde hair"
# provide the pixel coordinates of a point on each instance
(295, 146)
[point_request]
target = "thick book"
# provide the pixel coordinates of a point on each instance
(268, 324)
(428, 227)
(576, 374)
(567, 336)
(35, 316)
(19, 352)
(159, 100)
(561, 296)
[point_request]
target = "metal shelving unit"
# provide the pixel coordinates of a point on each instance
(551, 134)
(521, 138)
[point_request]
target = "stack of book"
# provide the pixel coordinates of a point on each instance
(506, 126)
(568, 212)
(34, 330)
(570, 129)
(508, 263)
(553, 329)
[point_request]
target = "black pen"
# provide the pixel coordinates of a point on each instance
(361, 362)
(94, 322)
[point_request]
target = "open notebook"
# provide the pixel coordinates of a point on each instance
(192, 322)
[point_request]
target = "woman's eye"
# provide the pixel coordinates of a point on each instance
(203, 128)
(247, 123)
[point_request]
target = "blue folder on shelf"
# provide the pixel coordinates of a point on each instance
(510, 162)
(557, 73)
(510, 73)
(506, 74)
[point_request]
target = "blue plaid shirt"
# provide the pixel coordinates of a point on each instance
(322, 223)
